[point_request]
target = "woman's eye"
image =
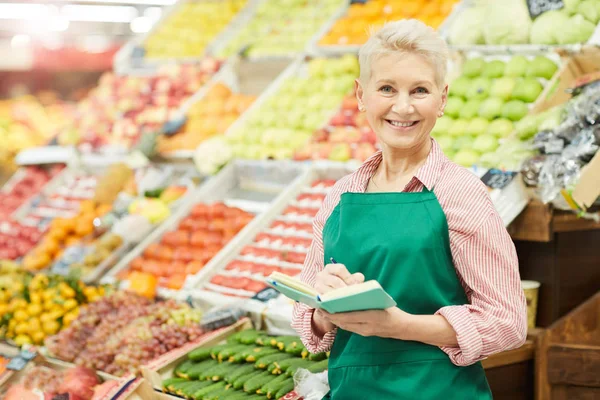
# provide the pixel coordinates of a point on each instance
(386, 89)
(421, 90)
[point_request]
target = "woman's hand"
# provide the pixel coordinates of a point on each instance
(333, 276)
(389, 323)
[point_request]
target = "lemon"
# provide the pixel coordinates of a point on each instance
(47, 316)
(21, 340)
(70, 304)
(49, 294)
(38, 337)
(12, 324)
(16, 304)
(20, 315)
(50, 327)
(34, 310)
(3, 309)
(35, 297)
(66, 291)
(34, 325)
(22, 328)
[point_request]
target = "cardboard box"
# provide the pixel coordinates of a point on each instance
(162, 368)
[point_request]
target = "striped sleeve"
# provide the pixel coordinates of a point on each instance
(495, 319)
(313, 264)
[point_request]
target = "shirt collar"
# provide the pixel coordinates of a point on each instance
(428, 173)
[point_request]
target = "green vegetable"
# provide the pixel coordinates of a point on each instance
(260, 352)
(285, 389)
(181, 369)
(295, 348)
(189, 391)
(239, 382)
(317, 356)
(181, 388)
(264, 362)
(252, 385)
(202, 353)
(214, 371)
(219, 394)
(272, 387)
(199, 395)
(319, 366)
(285, 364)
(232, 375)
(230, 351)
(263, 340)
(226, 369)
(281, 342)
(199, 368)
(214, 352)
(293, 368)
(168, 382)
(249, 336)
(235, 338)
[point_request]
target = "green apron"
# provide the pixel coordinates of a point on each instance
(401, 240)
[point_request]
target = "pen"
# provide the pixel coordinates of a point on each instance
(333, 262)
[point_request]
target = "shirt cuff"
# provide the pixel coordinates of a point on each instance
(314, 343)
(470, 344)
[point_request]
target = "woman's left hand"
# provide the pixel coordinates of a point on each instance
(388, 323)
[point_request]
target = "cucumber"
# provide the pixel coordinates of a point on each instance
(292, 370)
(199, 368)
(263, 340)
(201, 354)
(239, 382)
(249, 336)
(235, 338)
(273, 386)
(319, 366)
(180, 388)
(168, 382)
(190, 390)
(264, 362)
(220, 374)
(259, 352)
(199, 395)
(182, 368)
(252, 385)
(210, 372)
(236, 395)
(285, 389)
(296, 347)
(214, 352)
(219, 394)
(230, 351)
(232, 375)
(273, 367)
(317, 356)
(243, 354)
(281, 342)
(285, 364)
(276, 388)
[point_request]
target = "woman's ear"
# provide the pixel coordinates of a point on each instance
(444, 99)
(358, 89)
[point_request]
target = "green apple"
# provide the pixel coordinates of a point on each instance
(493, 69)
(460, 86)
(514, 110)
(464, 142)
(442, 125)
(491, 108)
(516, 66)
(485, 144)
(527, 127)
(466, 158)
(477, 126)
(453, 106)
(473, 67)
(541, 67)
(501, 127)
(458, 128)
(470, 109)
(446, 143)
(527, 90)
(479, 89)
(502, 88)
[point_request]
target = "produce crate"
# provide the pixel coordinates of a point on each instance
(273, 128)
(457, 18)
(129, 387)
(247, 185)
(279, 242)
(131, 57)
(241, 77)
(317, 48)
(162, 368)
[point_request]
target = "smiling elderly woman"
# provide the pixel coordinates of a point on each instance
(423, 227)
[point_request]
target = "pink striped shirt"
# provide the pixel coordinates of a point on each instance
(484, 256)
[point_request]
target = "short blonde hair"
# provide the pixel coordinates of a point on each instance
(405, 35)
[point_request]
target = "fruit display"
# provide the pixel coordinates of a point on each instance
(35, 307)
(195, 241)
(30, 121)
(353, 28)
(24, 184)
(122, 108)
(190, 28)
(74, 383)
(281, 27)
(288, 116)
(121, 332)
(210, 116)
(509, 22)
(16, 240)
(487, 101)
(346, 136)
(251, 364)
(282, 247)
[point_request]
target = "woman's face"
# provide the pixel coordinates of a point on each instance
(401, 99)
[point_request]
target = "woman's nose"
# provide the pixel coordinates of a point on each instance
(402, 105)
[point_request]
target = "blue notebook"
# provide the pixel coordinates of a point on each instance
(364, 296)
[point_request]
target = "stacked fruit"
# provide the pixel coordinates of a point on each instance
(346, 136)
(16, 240)
(288, 118)
(122, 108)
(251, 365)
(27, 183)
(353, 28)
(33, 308)
(190, 28)
(64, 232)
(197, 239)
(123, 331)
(486, 101)
(282, 27)
(281, 248)
(210, 116)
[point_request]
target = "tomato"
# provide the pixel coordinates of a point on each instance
(178, 267)
(200, 210)
(198, 239)
(187, 224)
(176, 238)
(185, 254)
(216, 210)
(296, 258)
(137, 264)
(216, 225)
(194, 267)
(237, 283)
(158, 251)
(218, 280)
(248, 250)
(255, 286)
(213, 239)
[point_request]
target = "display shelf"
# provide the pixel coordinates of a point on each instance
(248, 185)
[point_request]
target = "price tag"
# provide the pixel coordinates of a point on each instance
(497, 179)
(537, 7)
(266, 295)
(17, 363)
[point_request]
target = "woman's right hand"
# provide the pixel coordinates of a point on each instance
(333, 276)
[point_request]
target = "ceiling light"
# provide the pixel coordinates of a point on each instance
(20, 40)
(58, 24)
(99, 13)
(23, 11)
(141, 25)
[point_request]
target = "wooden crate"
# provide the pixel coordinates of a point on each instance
(568, 355)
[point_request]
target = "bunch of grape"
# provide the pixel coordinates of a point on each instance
(126, 332)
